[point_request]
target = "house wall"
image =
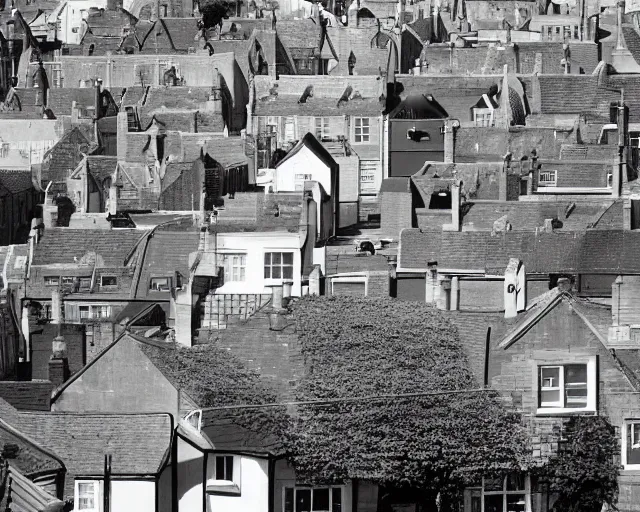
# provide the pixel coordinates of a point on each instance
(133, 495)
(165, 490)
(123, 380)
(304, 161)
(70, 18)
(253, 483)
(406, 156)
(191, 474)
(255, 246)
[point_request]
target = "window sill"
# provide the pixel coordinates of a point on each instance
(559, 411)
(223, 489)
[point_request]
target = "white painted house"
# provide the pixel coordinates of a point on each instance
(68, 18)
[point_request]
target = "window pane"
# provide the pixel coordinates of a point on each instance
(287, 258)
(276, 258)
(219, 468)
(267, 258)
(276, 273)
(547, 397)
(287, 272)
(493, 484)
(575, 375)
(550, 377)
(336, 504)
(515, 503)
(321, 500)
(576, 397)
(493, 503)
(267, 272)
(633, 443)
(515, 482)
(303, 500)
(229, 468)
(288, 499)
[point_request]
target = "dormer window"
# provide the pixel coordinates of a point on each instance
(108, 281)
(548, 178)
(483, 117)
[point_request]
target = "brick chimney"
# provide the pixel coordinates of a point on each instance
(450, 127)
(58, 363)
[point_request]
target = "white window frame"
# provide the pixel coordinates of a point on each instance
(224, 477)
(359, 127)
(235, 264)
(321, 131)
(483, 117)
(97, 496)
(548, 178)
(102, 285)
(558, 407)
(169, 283)
(281, 265)
(51, 280)
(504, 492)
(632, 423)
(297, 488)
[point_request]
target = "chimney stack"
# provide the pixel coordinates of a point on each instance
(56, 306)
(456, 204)
(97, 99)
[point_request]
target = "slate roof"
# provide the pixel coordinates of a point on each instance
(179, 97)
(298, 33)
(182, 32)
(227, 151)
(173, 171)
(101, 167)
(61, 245)
(360, 262)
(16, 181)
(31, 459)
(255, 212)
(593, 251)
(64, 157)
(59, 99)
(107, 23)
(138, 443)
(134, 95)
(167, 252)
(632, 39)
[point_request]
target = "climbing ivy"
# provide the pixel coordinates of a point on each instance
(367, 347)
(584, 473)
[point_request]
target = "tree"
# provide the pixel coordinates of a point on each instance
(584, 474)
(434, 444)
(215, 11)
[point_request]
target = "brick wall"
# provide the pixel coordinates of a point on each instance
(430, 220)
(395, 212)
(30, 396)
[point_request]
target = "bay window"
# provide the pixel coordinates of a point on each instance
(312, 499)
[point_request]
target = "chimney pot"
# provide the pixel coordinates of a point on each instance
(276, 297)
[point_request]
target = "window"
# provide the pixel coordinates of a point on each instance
(234, 266)
(164, 11)
(160, 284)
(567, 387)
(85, 312)
(307, 499)
(303, 177)
(108, 281)
(100, 311)
(631, 444)
(278, 265)
(322, 128)
(224, 467)
(361, 130)
(483, 117)
(548, 178)
(88, 496)
(85, 283)
(51, 280)
(68, 280)
(505, 494)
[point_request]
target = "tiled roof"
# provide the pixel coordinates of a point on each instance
(107, 23)
(173, 172)
(167, 252)
(360, 262)
(62, 245)
(59, 99)
(632, 39)
(138, 443)
(298, 33)
(380, 8)
(288, 105)
(63, 158)
(16, 181)
(227, 151)
(567, 94)
(102, 167)
(240, 215)
(593, 251)
(182, 32)
(134, 95)
(172, 120)
(180, 97)
(30, 459)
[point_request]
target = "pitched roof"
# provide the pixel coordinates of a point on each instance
(16, 181)
(298, 33)
(593, 251)
(138, 443)
(310, 142)
(227, 151)
(107, 23)
(182, 32)
(60, 99)
(101, 167)
(31, 459)
(167, 252)
(62, 245)
(63, 158)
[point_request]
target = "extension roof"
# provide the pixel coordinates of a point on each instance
(62, 245)
(590, 252)
(138, 443)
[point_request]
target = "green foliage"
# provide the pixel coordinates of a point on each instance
(367, 347)
(214, 377)
(584, 473)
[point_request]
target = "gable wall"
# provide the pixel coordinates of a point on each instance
(123, 380)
